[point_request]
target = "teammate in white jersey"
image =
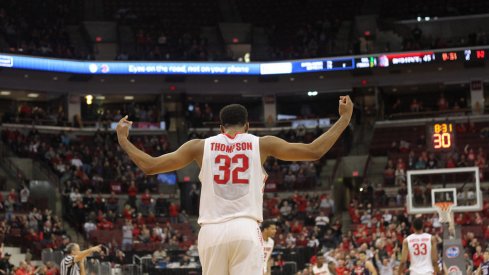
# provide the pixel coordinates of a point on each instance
(422, 252)
(320, 268)
(268, 232)
(232, 177)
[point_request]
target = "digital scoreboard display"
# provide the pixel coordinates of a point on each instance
(441, 136)
(468, 56)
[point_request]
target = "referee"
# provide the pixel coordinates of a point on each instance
(71, 263)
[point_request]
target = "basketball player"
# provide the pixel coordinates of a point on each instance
(320, 268)
(422, 252)
(484, 267)
(233, 179)
(268, 232)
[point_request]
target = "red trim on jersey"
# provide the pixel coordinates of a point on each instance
(231, 137)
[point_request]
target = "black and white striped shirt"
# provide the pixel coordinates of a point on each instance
(69, 267)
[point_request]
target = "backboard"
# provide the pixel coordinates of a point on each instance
(444, 195)
(458, 185)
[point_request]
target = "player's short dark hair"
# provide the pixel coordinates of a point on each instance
(418, 224)
(233, 115)
(266, 224)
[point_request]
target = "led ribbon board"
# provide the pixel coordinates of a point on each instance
(239, 68)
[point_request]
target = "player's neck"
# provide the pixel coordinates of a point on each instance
(265, 237)
(233, 133)
(418, 232)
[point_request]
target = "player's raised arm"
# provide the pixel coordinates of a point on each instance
(153, 165)
(281, 149)
(81, 255)
(404, 257)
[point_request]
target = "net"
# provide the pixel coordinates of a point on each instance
(444, 210)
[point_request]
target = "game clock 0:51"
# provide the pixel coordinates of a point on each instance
(441, 136)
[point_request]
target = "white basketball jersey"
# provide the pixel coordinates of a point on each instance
(324, 270)
(420, 253)
(232, 178)
(267, 249)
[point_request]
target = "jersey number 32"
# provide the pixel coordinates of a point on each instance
(232, 168)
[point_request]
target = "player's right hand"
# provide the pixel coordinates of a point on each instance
(346, 106)
(122, 128)
(97, 248)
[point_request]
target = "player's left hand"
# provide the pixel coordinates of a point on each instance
(122, 128)
(345, 106)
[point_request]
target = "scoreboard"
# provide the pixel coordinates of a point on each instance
(441, 136)
(469, 56)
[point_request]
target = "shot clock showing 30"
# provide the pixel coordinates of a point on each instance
(441, 136)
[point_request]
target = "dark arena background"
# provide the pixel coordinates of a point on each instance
(70, 70)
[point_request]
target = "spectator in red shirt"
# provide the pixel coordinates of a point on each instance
(450, 162)
(341, 268)
(478, 219)
(33, 236)
(279, 261)
(136, 231)
(364, 238)
(478, 257)
(173, 209)
(145, 204)
(459, 219)
(467, 219)
(301, 207)
(485, 209)
(151, 218)
(275, 212)
(345, 244)
(132, 191)
(127, 212)
(155, 236)
(355, 216)
(296, 227)
(415, 105)
(51, 269)
(280, 242)
(105, 225)
(272, 202)
(12, 195)
(23, 269)
(442, 103)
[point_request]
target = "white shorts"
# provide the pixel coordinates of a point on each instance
(234, 247)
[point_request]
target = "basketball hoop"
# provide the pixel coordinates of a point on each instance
(444, 210)
(445, 215)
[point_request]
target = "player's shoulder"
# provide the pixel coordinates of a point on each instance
(267, 141)
(195, 142)
(193, 146)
